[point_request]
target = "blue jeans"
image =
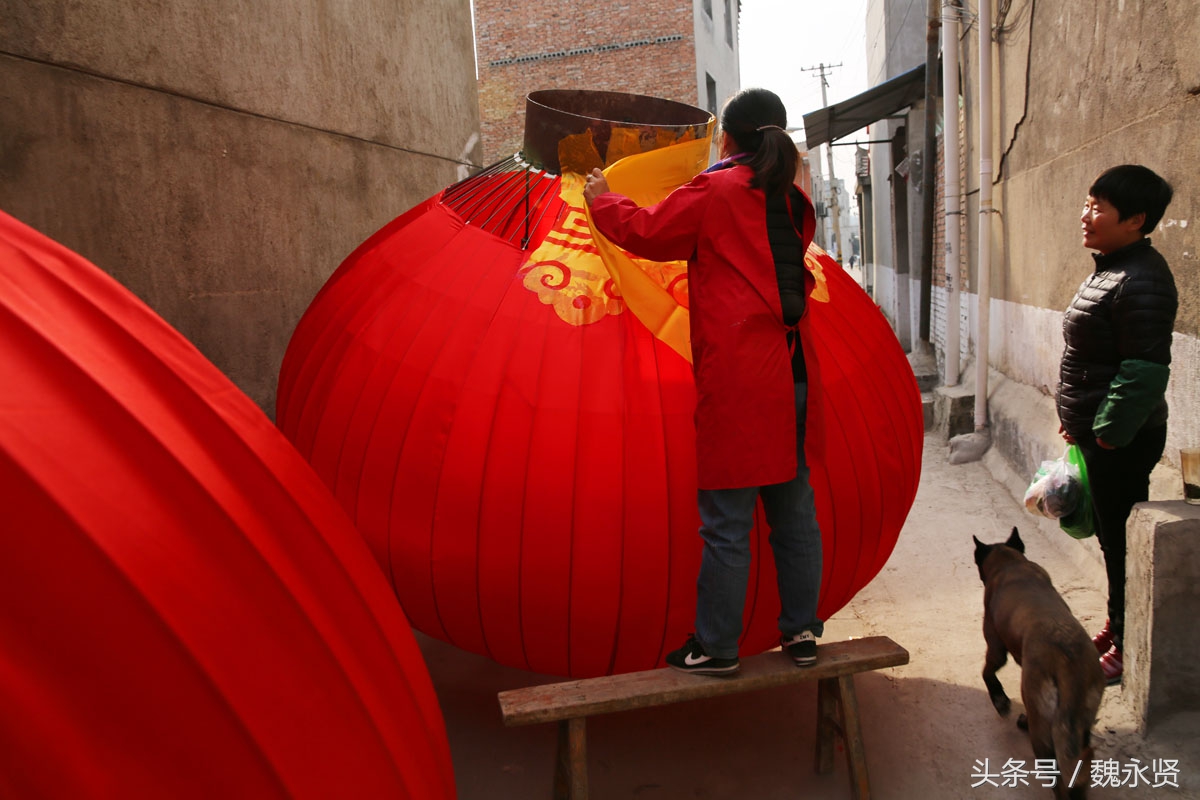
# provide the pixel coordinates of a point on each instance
(726, 517)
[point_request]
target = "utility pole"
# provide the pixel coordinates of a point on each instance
(833, 193)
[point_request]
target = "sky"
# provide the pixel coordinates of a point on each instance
(781, 38)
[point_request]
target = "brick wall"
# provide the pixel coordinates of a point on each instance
(643, 47)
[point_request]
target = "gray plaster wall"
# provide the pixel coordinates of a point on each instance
(220, 159)
(715, 55)
(895, 38)
(895, 43)
(1100, 90)
(1076, 89)
(880, 156)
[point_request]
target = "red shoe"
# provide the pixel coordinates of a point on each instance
(1104, 639)
(1113, 665)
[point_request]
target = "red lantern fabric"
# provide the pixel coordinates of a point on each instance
(517, 445)
(187, 611)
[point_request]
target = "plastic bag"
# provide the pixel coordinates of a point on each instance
(1079, 523)
(1056, 489)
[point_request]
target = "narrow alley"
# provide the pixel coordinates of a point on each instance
(929, 728)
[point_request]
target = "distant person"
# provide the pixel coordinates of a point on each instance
(743, 228)
(1115, 366)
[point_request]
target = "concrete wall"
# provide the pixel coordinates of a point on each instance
(1162, 677)
(895, 40)
(895, 37)
(1077, 91)
(880, 162)
(716, 55)
(220, 159)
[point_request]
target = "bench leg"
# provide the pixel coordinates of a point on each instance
(570, 771)
(837, 712)
(827, 723)
(856, 756)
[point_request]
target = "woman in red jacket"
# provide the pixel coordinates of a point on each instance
(743, 228)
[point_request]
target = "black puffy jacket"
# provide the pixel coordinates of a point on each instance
(1124, 312)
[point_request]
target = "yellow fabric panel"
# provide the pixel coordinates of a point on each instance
(565, 271)
(647, 178)
(820, 292)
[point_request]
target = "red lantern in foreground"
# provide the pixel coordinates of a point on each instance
(187, 611)
(508, 419)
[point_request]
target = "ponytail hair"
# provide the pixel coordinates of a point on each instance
(756, 120)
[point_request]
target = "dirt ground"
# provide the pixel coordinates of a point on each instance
(928, 726)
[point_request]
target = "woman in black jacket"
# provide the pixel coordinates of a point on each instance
(1115, 366)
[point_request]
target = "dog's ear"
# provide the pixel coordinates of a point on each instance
(1014, 541)
(981, 550)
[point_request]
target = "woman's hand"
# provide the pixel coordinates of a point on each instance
(1069, 439)
(597, 185)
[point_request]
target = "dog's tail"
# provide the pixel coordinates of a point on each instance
(1078, 704)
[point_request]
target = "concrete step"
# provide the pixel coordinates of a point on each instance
(953, 410)
(925, 370)
(927, 409)
(927, 381)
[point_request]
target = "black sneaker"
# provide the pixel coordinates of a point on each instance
(692, 658)
(802, 648)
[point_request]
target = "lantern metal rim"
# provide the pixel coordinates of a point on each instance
(551, 115)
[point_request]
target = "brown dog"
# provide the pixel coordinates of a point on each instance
(1061, 679)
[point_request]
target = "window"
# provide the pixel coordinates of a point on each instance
(710, 86)
(729, 22)
(707, 6)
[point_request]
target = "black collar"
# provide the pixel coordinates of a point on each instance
(1105, 260)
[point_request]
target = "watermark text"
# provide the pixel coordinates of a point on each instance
(1105, 772)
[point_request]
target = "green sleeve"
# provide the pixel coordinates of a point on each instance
(1132, 395)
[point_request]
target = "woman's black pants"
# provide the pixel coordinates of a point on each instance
(1118, 479)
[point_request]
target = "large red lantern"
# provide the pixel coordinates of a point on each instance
(187, 610)
(504, 404)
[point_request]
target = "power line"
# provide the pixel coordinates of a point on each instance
(859, 15)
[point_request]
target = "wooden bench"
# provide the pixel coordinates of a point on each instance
(571, 703)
